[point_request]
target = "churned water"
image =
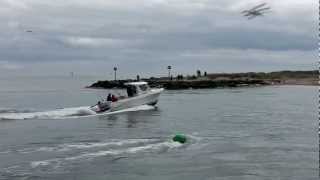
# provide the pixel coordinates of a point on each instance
(242, 133)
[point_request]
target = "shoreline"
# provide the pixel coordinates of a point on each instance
(233, 80)
(203, 84)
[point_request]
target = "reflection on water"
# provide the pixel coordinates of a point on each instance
(110, 120)
(131, 119)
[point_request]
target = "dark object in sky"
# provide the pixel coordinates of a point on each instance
(29, 31)
(258, 10)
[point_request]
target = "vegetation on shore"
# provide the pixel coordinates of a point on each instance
(214, 80)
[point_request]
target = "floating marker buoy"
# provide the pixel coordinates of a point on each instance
(180, 138)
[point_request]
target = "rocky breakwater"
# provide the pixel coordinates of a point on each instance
(183, 84)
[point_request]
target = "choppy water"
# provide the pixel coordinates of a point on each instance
(244, 133)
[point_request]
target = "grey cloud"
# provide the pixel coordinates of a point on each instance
(157, 32)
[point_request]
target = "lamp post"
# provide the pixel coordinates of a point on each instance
(169, 71)
(115, 73)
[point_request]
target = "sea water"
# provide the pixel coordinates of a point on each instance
(233, 133)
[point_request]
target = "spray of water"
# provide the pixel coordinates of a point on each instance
(74, 112)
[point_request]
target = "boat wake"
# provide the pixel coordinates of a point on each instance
(115, 152)
(74, 112)
(66, 156)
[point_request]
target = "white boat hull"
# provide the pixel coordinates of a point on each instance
(149, 98)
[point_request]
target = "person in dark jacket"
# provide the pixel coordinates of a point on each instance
(109, 98)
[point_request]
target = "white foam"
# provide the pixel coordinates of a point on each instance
(35, 164)
(156, 147)
(69, 147)
(39, 163)
(133, 150)
(116, 143)
(65, 112)
(74, 112)
(94, 155)
(4, 152)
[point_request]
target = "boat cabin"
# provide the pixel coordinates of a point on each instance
(136, 88)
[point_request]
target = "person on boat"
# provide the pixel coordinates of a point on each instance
(114, 98)
(99, 105)
(129, 91)
(109, 98)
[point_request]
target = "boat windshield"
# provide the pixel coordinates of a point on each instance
(143, 87)
(131, 91)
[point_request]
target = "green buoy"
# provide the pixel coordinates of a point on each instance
(180, 138)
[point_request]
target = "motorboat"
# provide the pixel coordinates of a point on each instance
(138, 93)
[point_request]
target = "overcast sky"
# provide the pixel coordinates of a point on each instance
(90, 37)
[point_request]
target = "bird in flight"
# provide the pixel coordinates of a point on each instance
(258, 10)
(29, 31)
